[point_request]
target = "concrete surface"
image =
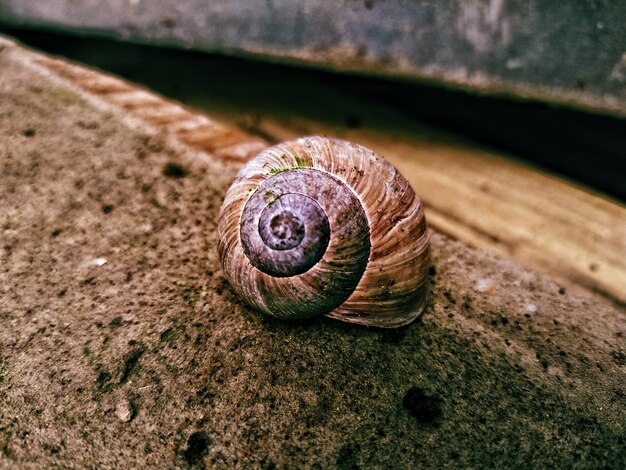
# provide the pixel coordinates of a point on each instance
(569, 52)
(121, 344)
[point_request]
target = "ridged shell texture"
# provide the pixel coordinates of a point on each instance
(321, 226)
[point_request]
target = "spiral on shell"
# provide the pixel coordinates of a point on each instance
(322, 226)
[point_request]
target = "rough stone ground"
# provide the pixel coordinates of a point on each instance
(121, 344)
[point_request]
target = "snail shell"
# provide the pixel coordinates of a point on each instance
(321, 226)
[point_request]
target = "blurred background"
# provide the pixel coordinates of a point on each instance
(541, 82)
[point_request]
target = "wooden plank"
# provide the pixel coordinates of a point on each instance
(479, 196)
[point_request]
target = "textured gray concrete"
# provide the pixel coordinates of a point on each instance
(571, 51)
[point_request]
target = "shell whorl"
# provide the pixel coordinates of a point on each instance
(324, 226)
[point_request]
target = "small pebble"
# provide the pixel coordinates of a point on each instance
(485, 285)
(531, 308)
(124, 410)
(98, 262)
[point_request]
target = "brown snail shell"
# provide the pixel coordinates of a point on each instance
(321, 226)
